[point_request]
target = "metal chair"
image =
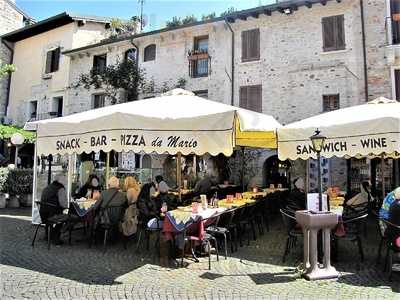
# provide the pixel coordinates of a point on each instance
(293, 233)
(248, 218)
(221, 228)
(204, 240)
(49, 223)
(115, 214)
(353, 227)
(146, 231)
(390, 248)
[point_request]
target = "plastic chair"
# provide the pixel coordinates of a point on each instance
(293, 232)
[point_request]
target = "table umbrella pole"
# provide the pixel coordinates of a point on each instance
(178, 170)
(69, 183)
(383, 176)
(34, 184)
(107, 167)
(242, 177)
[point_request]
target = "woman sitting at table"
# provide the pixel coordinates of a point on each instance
(130, 220)
(148, 212)
(91, 189)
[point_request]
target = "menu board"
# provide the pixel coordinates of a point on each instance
(313, 202)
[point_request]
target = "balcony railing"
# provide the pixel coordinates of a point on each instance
(44, 116)
(199, 63)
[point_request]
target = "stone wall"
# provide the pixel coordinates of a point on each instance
(10, 19)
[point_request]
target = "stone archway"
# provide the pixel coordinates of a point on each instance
(276, 172)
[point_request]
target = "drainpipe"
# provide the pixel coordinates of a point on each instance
(137, 55)
(9, 76)
(232, 62)
(364, 50)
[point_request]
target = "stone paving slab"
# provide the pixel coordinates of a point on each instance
(254, 272)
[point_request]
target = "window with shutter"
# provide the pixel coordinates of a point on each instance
(52, 60)
(395, 16)
(250, 45)
(330, 102)
(99, 100)
(251, 97)
(333, 33)
(150, 52)
(397, 84)
(99, 63)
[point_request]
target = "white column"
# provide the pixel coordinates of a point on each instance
(35, 211)
(69, 178)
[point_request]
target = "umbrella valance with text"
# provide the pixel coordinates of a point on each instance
(176, 122)
(368, 130)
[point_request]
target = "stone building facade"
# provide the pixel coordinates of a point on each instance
(294, 71)
(11, 18)
(38, 86)
(294, 75)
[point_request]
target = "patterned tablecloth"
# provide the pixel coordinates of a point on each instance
(180, 219)
(235, 202)
(83, 207)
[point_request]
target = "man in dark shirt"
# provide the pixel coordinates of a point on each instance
(204, 185)
(53, 202)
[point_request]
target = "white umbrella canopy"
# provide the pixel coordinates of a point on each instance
(367, 130)
(178, 121)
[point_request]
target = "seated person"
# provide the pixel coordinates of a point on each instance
(111, 197)
(91, 189)
(297, 197)
(53, 202)
(130, 221)
(203, 186)
(148, 212)
(393, 233)
(387, 202)
(162, 186)
(362, 198)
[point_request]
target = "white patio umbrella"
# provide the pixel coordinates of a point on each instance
(177, 122)
(371, 129)
(367, 130)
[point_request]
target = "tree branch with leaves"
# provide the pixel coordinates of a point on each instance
(6, 69)
(124, 75)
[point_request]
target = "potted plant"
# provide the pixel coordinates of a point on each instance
(20, 187)
(3, 186)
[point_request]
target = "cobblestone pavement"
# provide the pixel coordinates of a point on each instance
(254, 272)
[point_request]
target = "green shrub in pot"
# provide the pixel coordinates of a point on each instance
(3, 186)
(20, 185)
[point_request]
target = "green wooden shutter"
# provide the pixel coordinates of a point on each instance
(48, 61)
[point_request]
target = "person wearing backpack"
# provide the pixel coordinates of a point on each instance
(111, 197)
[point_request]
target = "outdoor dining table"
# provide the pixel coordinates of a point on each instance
(182, 218)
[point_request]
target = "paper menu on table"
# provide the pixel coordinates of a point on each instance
(313, 202)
